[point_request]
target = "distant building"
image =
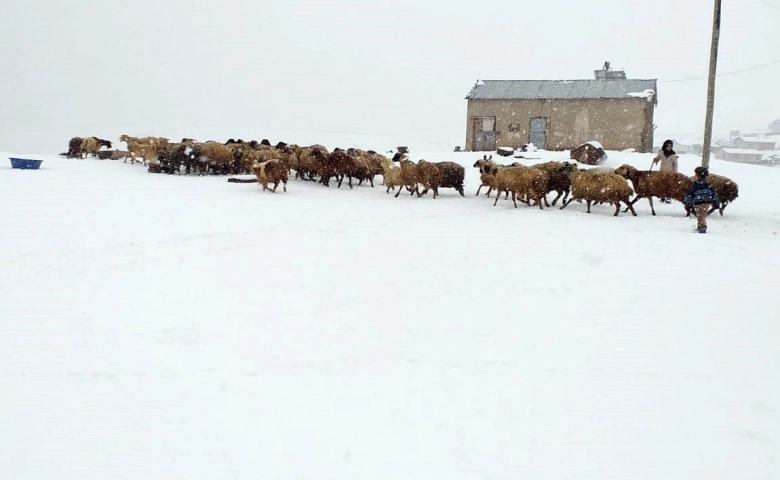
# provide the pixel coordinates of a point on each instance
(741, 155)
(755, 143)
(680, 146)
(774, 127)
(562, 114)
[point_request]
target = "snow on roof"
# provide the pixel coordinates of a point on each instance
(647, 93)
(749, 151)
(756, 139)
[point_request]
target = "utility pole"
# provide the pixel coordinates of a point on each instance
(705, 151)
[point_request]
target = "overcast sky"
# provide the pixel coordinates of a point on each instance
(400, 68)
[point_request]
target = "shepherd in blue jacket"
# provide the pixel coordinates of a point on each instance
(699, 198)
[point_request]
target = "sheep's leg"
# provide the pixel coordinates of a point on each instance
(498, 195)
(400, 189)
(630, 205)
(514, 197)
(490, 189)
(539, 201)
(555, 200)
(723, 207)
(435, 192)
(589, 202)
(480, 188)
(633, 202)
(650, 199)
(371, 181)
(565, 204)
(460, 190)
(349, 181)
(617, 209)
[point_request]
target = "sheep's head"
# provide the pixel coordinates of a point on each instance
(399, 157)
(625, 170)
(568, 168)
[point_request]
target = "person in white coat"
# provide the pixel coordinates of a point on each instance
(668, 159)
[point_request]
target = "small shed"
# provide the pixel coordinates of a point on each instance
(741, 155)
(562, 114)
(754, 143)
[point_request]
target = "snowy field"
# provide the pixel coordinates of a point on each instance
(187, 328)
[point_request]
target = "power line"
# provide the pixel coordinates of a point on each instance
(770, 4)
(722, 74)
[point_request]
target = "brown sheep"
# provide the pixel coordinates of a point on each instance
(74, 147)
(336, 164)
(558, 182)
(649, 184)
(408, 177)
(597, 187)
(213, 155)
(429, 175)
(452, 176)
(372, 162)
(391, 175)
(89, 145)
(487, 175)
(521, 182)
(272, 171)
(727, 190)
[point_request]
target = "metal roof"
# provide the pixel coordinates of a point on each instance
(558, 89)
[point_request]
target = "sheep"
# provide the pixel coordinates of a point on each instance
(521, 181)
(487, 175)
(212, 154)
(336, 164)
(408, 176)
(727, 191)
(429, 176)
(649, 184)
(146, 147)
(305, 162)
(271, 171)
(74, 147)
(597, 187)
(391, 175)
(452, 176)
(558, 181)
(372, 162)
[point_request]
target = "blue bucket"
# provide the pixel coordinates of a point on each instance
(25, 163)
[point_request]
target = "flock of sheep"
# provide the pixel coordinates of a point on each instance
(529, 184)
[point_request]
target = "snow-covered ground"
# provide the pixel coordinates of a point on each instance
(174, 327)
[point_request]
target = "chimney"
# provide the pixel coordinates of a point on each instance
(606, 73)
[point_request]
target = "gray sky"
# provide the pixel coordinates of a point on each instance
(399, 69)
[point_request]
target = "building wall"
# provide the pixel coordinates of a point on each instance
(615, 123)
(740, 143)
(739, 157)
